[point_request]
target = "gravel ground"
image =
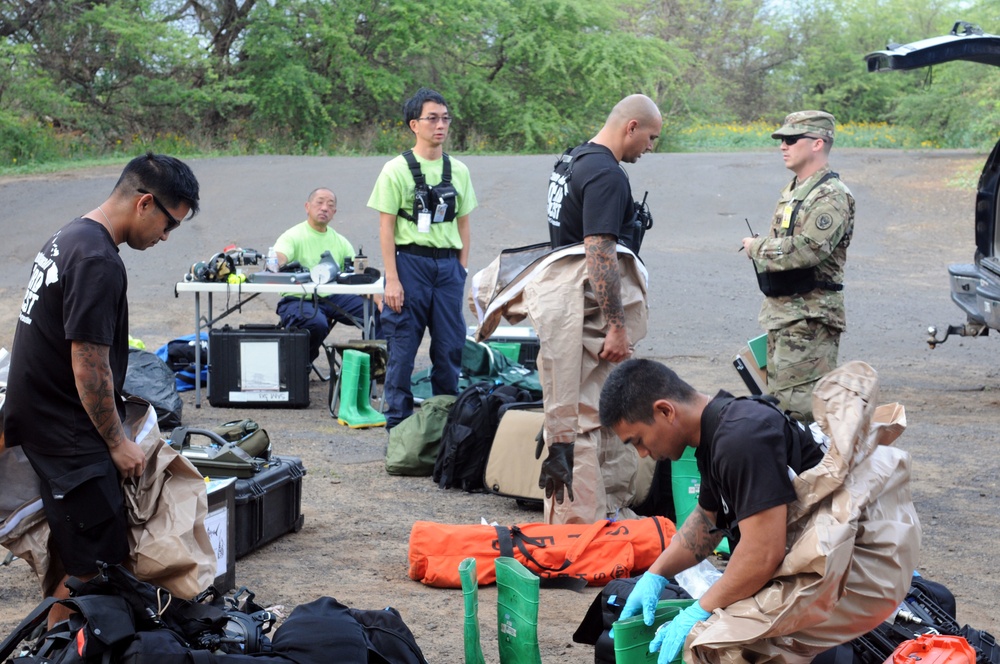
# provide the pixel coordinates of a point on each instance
(912, 222)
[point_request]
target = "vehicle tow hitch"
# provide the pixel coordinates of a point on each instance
(967, 330)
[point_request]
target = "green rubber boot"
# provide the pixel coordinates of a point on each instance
(365, 410)
(517, 613)
(632, 635)
(355, 392)
(350, 367)
(470, 592)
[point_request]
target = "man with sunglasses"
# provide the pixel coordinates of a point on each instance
(800, 264)
(68, 363)
(423, 198)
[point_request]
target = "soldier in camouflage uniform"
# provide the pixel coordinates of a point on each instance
(800, 264)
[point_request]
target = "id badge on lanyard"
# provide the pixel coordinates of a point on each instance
(786, 216)
(423, 221)
(439, 212)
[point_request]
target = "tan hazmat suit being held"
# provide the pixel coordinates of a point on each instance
(551, 289)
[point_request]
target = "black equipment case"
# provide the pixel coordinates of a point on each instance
(263, 366)
(269, 504)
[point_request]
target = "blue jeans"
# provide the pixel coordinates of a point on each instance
(433, 293)
(317, 314)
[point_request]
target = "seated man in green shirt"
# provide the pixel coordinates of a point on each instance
(305, 242)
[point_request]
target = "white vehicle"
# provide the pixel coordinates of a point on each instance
(975, 287)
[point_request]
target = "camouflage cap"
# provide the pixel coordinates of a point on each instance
(817, 123)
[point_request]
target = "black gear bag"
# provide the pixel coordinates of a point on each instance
(468, 434)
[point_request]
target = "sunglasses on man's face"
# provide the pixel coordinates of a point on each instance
(792, 140)
(172, 222)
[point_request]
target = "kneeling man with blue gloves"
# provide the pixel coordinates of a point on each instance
(757, 489)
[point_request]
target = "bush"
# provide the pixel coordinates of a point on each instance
(706, 137)
(24, 142)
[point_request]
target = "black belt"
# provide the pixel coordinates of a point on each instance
(426, 252)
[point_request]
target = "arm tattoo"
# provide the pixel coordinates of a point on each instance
(605, 277)
(696, 535)
(96, 387)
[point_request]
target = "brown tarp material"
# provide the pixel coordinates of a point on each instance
(24, 531)
(551, 289)
(853, 539)
(166, 509)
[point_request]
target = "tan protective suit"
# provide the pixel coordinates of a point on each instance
(854, 539)
(166, 508)
(551, 289)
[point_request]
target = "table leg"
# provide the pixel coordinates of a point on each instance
(197, 350)
(368, 312)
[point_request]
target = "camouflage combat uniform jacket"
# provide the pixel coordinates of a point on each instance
(823, 228)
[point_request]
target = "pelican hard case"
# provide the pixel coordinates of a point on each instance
(264, 366)
(269, 503)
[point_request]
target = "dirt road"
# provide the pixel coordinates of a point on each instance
(911, 224)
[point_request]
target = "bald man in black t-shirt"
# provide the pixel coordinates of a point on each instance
(590, 201)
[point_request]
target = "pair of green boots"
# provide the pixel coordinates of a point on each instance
(517, 619)
(517, 612)
(355, 392)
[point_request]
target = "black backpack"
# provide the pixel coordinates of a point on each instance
(427, 198)
(122, 619)
(113, 608)
(179, 356)
(468, 434)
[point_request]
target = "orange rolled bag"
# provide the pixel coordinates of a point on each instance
(587, 553)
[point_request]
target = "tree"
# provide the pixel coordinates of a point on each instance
(833, 38)
(221, 22)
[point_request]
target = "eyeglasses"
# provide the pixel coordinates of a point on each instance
(792, 140)
(434, 119)
(172, 223)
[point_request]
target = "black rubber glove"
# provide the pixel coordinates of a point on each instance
(557, 471)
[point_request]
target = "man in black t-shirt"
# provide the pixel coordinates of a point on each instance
(590, 201)
(69, 358)
(746, 453)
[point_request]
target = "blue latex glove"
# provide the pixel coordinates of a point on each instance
(644, 597)
(670, 637)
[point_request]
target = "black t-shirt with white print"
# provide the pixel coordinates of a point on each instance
(597, 199)
(76, 292)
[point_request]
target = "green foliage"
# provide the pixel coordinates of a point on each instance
(23, 141)
(830, 72)
(729, 50)
(715, 137)
(314, 77)
(554, 69)
(957, 106)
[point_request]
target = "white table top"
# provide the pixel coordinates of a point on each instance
(307, 288)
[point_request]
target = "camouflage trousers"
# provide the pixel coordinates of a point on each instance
(798, 355)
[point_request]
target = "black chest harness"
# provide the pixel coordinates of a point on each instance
(632, 232)
(440, 202)
(803, 279)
